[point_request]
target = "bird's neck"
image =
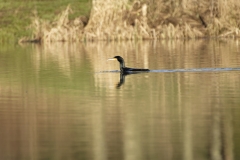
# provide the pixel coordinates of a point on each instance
(122, 65)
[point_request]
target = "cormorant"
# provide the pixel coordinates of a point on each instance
(126, 69)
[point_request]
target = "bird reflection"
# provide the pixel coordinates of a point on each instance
(121, 81)
(122, 78)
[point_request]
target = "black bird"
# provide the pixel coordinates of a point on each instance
(126, 69)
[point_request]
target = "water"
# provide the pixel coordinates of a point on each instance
(65, 101)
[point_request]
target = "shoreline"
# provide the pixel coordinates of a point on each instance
(138, 20)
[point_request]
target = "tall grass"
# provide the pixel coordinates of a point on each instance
(190, 18)
(61, 29)
(146, 19)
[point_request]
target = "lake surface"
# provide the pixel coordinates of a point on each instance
(65, 101)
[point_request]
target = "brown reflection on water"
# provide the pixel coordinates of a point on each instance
(74, 115)
(63, 54)
(37, 125)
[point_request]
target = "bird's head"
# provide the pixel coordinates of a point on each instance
(118, 58)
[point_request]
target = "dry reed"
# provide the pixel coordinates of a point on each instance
(144, 19)
(61, 29)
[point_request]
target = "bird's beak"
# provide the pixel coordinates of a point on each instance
(112, 59)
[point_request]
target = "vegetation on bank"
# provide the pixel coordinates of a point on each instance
(123, 20)
(16, 15)
(144, 19)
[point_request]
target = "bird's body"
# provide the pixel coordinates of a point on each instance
(126, 69)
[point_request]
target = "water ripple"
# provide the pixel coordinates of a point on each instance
(197, 70)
